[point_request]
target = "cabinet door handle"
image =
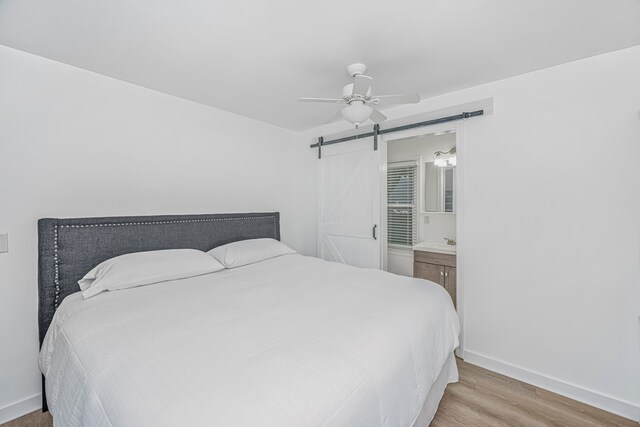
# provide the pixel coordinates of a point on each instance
(446, 274)
(441, 273)
(375, 235)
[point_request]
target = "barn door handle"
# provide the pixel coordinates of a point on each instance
(375, 227)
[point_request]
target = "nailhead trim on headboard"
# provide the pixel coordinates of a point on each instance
(175, 222)
(56, 278)
(55, 238)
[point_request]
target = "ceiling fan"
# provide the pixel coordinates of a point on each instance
(359, 101)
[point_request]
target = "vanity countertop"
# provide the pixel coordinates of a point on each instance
(440, 248)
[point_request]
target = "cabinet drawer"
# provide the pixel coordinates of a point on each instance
(434, 258)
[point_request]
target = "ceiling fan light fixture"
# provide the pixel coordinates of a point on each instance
(356, 112)
(359, 99)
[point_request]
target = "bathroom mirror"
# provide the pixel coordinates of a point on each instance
(439, 188)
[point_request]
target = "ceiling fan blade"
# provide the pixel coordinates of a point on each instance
(377, 116)
(326, 100)
(397, 99)
(361, 84)
(332, 117)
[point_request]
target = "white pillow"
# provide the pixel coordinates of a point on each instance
(245, 252)
(145, 268)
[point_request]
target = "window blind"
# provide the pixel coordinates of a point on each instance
(402, 204)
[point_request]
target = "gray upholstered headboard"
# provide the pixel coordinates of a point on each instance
(68, 248)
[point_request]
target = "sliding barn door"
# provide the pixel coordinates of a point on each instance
(349, 177)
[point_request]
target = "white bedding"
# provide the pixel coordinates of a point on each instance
(291, 341)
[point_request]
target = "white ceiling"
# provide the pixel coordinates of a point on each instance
(256, 57)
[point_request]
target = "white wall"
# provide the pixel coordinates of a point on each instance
(552, 227)
(400, 261)
(75, 143)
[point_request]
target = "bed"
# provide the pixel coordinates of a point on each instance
(289, 341)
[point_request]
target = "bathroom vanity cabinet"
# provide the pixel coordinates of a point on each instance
(437, 267)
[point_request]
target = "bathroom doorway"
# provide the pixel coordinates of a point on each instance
(421, 197)
(422, 208)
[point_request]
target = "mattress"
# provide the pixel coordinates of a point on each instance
(291, 341)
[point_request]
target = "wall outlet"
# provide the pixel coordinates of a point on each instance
(4, 243)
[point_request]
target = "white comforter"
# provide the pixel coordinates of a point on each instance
(292, 341)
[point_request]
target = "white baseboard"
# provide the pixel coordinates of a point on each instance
(22, 407)
(572, 391)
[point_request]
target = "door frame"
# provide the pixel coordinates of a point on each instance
(461, 238)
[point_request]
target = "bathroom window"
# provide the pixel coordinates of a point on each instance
(402, 203)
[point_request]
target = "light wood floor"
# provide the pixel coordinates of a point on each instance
(34, 419)
(481, 399)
